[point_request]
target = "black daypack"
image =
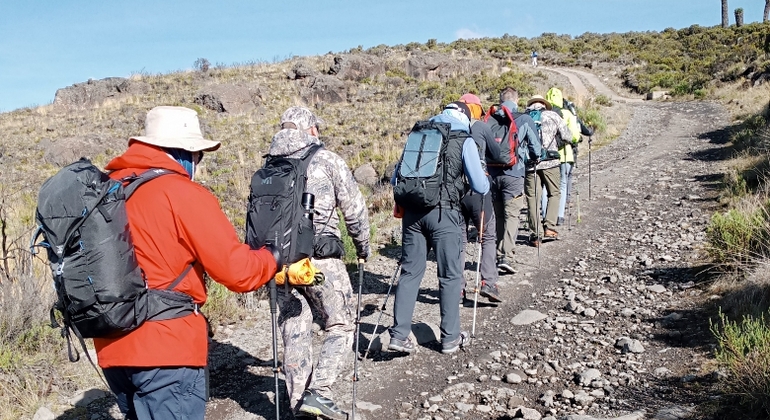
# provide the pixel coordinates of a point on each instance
(422, 173)
(506, 133)
(101, 291)
(275, 213)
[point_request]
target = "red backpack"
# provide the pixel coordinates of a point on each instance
(506, 134)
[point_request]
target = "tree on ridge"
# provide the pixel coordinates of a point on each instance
(725, 16)
(767, 11)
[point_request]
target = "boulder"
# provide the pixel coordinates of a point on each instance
(657, 94)
(63, 151)
(357, 67)
(301, 70)
(327, 89)
(366, 174)
(435, 66)
(230, 98)
(95, 92)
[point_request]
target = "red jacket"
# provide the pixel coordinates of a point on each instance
(175, 222)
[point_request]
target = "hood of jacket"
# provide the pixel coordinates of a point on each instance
(291, 143)
(555, 97)
(142, 156)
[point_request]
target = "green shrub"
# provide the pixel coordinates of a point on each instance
(744, 350)
(738, 236)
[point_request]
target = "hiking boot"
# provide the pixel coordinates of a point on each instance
(550, 233)
(559, 221)
(491, 292)
(506, 266)
(534, 241)
(317, 405)
(404, 346)
(453, 346)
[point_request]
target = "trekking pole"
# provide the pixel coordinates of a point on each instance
(577, 197)
(358, 332)
(274, 322)
(478, 267)
(569, 207)
(590, 139)
(384, 304)
(537, 220)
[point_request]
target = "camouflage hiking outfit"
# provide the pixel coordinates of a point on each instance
(333, 185)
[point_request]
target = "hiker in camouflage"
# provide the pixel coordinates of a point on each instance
(553, 133)
(332, 183)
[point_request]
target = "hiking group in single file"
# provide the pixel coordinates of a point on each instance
(128, 248)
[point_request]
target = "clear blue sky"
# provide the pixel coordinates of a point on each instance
(46, 45)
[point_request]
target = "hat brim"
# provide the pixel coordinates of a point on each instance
(191, 144)
(542, 101)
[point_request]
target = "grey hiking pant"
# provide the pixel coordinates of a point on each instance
(551, 178)
(439, 229)
(333, 301)
(508, 202)
(471, 206)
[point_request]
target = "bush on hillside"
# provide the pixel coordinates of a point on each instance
(744, 350)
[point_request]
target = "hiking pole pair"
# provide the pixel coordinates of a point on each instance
(358, 332)
(478, 266)
(382, 308)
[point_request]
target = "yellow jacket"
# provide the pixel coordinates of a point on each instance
(556, 98)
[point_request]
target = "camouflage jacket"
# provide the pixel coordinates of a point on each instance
(333, 185)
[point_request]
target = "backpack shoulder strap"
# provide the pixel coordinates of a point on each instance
(136, 181)
(305, 161)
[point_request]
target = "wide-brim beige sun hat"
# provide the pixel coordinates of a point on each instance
(538, 98)
(175, 127)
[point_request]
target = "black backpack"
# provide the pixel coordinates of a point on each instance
(275, 213)
(101, 291)
(506, 133)
(422, 172)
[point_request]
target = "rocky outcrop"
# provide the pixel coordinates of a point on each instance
(436, 66)
(234, 99)
(324, 88)
(63, 151)
(96, 92)
(302, 70)
(357, 67)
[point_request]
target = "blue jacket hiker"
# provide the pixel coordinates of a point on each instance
(439, 228)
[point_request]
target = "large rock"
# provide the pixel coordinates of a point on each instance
(44, 413)
(301, 70)
(327, 89)
(435, 66)
(63, 151)
(85, 397)
(528, 316)
(96, 92)
(366, 174)
(357, 67)
(230, 98)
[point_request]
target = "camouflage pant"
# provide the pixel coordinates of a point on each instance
(333, 301)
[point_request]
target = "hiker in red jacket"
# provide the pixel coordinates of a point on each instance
(157, 370)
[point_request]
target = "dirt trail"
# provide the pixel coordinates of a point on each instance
(576, 78)
(620, 270)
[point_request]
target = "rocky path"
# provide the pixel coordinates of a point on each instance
(576, 78)
(603, 323)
